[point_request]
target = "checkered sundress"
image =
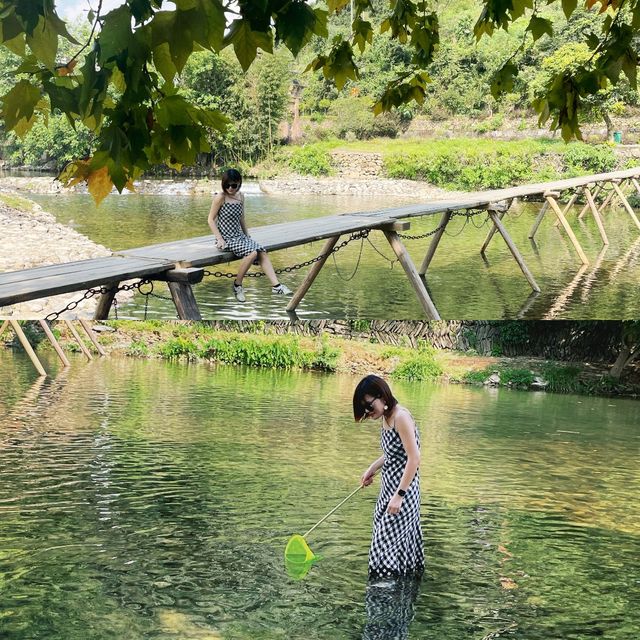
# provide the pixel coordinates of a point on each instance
(396, 544)
(237, 240)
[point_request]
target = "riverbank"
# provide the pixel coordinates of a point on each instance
(33, 238)
(259, 345)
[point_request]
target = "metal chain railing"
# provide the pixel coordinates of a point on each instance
(90, 293)
(468, 214)
(259, 274)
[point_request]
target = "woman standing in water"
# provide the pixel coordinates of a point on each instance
(396, 544)
(226, 220)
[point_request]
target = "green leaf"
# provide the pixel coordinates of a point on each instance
(115, 34)
(245, 42)
(362, 33)
(163, 62)
(19, 104)
(296, 23)
(44, 43)
(569, 6)
(502, 80)
(539, 26)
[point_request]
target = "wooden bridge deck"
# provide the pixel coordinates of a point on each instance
(156, 261)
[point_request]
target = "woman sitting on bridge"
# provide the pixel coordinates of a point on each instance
(226, 219)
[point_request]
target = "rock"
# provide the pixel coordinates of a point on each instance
(539, 383)
(493, 380)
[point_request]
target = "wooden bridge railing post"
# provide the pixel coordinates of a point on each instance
(391, 234)
(551, 199)
(501, 210)
(313, 273)
(538, 221)
(591, 203)
(54, 343)
(494, 213)
(446, 217)
(105, 302)
(27, 347)
(625, 202)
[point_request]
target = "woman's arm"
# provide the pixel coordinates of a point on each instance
(213, 219)
(242, 222)
(405, 427)
(367, 477)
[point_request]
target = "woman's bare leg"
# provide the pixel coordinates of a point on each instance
(245, 263)
(267, 267)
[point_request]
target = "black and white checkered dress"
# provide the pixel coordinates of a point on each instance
(396, 544)
(237, 240)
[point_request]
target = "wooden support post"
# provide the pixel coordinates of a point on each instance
(550, 197)
(635, 183)
(3, 328)
(625, 202)
(409, 268)
(105, 302)
(573, 198)
(446, 216)
(586, 206)
(185, 301)
(592, 204)
(301, 291)
(54, 343)
(536, 224)
(497, 221)
(78, 339)
(501, 210)
(27, 347)
(92, 336)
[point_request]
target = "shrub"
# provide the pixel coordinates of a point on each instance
(310, 161)
(420, 367)
(353, 114)
(588, 158)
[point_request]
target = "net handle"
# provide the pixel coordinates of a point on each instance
(353, 493)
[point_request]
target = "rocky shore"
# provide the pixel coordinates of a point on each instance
(33, 238)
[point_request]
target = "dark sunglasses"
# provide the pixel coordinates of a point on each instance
(233, 185)
(368, 406)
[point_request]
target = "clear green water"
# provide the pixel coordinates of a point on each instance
(461, 284)
(140, 499)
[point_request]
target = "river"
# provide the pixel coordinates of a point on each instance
(145, 499)
(363, 281)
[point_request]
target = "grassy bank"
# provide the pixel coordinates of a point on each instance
(260, 344)
(458, 163)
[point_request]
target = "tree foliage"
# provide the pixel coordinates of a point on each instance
(123, 83)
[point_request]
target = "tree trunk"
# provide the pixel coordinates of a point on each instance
(625, 357)
(607, 120)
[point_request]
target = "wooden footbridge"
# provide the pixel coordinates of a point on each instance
(181, 263)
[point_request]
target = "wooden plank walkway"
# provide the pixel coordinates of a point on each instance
(164, 261)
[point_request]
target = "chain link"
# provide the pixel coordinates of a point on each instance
(90, 293)
(467, 213)
(259, 274)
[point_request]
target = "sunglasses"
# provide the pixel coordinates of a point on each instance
(233, 185)
(368, 406)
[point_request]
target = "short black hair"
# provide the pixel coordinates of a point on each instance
(372, 386)
(230, 176)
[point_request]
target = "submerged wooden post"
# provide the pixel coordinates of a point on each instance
(301, 291)
(391, 234)
(536, 224)
(501, 210)
(78, 339)
(625, 202)
(105, 302)
(3, 328)
(54, 343)
(497, 221)
(446, 217)
(550, 197)
(27, 347)
(92, 336)
(596, 214)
